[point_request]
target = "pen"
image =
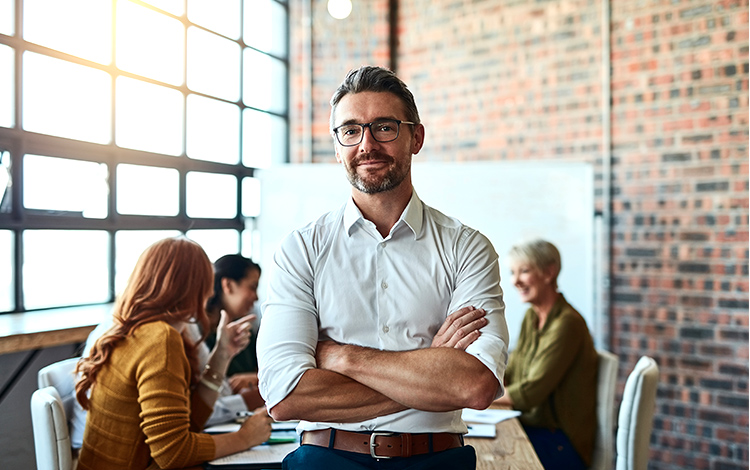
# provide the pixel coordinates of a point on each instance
(244, 414)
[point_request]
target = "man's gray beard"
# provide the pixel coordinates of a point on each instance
(387, 184)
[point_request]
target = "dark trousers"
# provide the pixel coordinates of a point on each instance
(308, 457)
(554, 449)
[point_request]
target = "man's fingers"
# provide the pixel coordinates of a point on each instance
(466, 318)
(455, 320)
(464, 342)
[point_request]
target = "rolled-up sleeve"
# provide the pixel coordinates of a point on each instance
(288, 335)
(478, 285)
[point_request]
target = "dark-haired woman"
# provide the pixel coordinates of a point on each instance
(236, 291)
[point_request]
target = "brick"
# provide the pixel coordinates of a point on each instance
(730, 401)
(696, 333)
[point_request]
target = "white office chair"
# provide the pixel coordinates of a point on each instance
(51, 405)
(606, 382)
(636, 417)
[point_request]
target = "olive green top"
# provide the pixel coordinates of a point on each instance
(551, 376)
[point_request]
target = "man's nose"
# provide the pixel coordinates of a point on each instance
(368, 141)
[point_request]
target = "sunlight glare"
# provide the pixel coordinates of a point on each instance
(149, 43)
(79, 27)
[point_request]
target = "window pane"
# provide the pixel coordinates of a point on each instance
(129, 244)
(213, 130)
(149, 43)
(6, 196)
(65, 99)
(59, 184)
(146, 190)
(264, 139)
(148, 117)
(79, 27)
(65, 267)
(211, 195)
(213, 65)
(7, 17)
(264, 82)
(216, 243)
(251, 244)
(250, 197)
(176, 7)
(7, 302)
(265, 26)
(7, 72)
(222, 17)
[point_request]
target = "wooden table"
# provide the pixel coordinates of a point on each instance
(510, 450)
(48, 328)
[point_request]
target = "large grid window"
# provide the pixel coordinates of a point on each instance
(126, 121)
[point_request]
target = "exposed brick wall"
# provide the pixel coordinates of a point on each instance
(521, 79)
(680, 264)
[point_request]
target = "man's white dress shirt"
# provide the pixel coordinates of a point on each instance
(338, 279)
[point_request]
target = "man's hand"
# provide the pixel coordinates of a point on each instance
(460, 329)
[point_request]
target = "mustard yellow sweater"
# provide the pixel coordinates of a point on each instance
(142, 414)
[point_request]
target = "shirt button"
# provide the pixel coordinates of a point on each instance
(382, 244)
(384, 285)
(386, 329)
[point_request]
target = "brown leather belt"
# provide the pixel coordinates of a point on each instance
(383, 445)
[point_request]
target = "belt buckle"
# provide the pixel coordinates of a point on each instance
(373, 445)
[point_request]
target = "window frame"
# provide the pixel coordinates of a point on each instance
(19, 142)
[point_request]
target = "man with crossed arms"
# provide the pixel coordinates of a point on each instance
(356, 338)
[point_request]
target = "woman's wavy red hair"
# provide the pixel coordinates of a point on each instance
(171, 282)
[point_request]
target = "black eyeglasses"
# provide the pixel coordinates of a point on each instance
(383, 130)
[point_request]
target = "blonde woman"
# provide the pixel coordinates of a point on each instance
(551, 374)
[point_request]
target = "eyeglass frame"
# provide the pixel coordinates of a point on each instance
(369, 125)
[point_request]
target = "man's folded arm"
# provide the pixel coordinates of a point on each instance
(432, 379)
(326, 396)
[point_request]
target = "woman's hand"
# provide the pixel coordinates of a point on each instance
(256, 429)
(243, 380)
(233, 337)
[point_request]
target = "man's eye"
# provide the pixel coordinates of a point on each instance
(350, 131)
(384, 127)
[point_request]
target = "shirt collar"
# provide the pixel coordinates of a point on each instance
(412, 215)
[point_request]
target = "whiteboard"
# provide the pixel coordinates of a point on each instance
(506, 201)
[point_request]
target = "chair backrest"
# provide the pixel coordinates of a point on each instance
(606, 382)
(50, 425)
(636, 417)
(51, 409)
(61, 375)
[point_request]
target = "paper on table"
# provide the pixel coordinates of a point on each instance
(481, 430)
(490, 416)
(262, 454)
(233, 427)
(222, 428)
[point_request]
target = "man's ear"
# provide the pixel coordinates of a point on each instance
(418, 139)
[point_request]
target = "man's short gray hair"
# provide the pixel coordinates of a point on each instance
(376, 79)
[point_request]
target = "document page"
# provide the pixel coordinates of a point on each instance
(490, 416)
(262, 454)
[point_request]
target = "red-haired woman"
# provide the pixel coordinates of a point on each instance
(146, 399)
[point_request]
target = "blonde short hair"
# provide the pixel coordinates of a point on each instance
(540, 254)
